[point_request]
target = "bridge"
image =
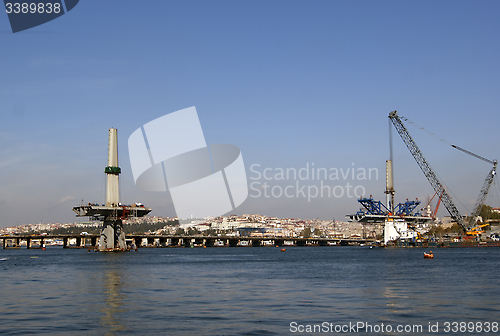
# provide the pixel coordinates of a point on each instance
(90, 241)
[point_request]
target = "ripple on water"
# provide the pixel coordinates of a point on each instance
(229, 291)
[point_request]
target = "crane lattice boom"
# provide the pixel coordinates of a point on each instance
(427, 170)
(482, 194)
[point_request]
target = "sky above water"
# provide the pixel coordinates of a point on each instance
(294, 84)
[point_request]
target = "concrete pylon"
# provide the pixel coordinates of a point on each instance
(389, 186)
(112, 236)
(112, 213)
(112, 170)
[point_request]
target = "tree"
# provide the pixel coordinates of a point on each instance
(435, 230)
(210, 232)
(192, 232)
(488, 213)
(306, 233)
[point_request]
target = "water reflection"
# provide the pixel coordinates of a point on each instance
(113, 306)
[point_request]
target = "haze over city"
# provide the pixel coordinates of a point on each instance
(293, 84)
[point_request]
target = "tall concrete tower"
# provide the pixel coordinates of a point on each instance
(389, 186)
(113, 212)
(112, 235)
(112, 170)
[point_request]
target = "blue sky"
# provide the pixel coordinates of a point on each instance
(288, 82)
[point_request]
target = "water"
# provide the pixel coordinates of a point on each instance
(244, 291)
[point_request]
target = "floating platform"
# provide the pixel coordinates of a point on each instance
(442, 244)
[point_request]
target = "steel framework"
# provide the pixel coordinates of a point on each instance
(434, 181)
(427, 170)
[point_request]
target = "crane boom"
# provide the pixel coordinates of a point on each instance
(482, 194)
(427, 170)
(486, 186)
(475, 155)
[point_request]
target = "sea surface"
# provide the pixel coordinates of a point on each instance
(249, 291)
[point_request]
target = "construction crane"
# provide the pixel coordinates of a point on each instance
(436, 183)
(477, 230)
(434, 212)
(484, 190)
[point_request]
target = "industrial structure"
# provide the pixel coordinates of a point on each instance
(399, 221)
(112, 213)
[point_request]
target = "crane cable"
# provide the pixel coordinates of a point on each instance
(103, 190)
(425, 130)
(497, 191)
(449, 143)
(490, 197)
(442, 140)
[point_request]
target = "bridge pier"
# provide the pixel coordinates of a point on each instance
(136, 241)
(163, 242)
(256, 242)
(112, 235)
(15, 243)
(187, 242)
(150, 241)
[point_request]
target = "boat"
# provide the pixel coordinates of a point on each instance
(429, 255)
(283, 250)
